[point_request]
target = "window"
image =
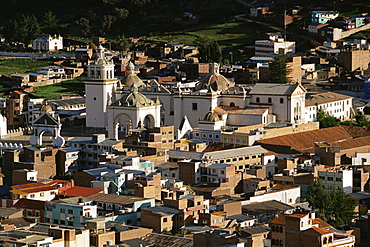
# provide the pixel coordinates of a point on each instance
(195, 106)
(62, 210)
(222, 172)
(62, 222)
(269, 100)
(232, 104)
(164, 220)
(42, 194)
(70, 211)
(32, 196)
(70, 223)
(55, 221)
(258, 99)
(281, 101)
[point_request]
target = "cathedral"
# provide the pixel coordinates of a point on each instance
(121, 105)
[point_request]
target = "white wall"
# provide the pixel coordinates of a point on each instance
(289, 196)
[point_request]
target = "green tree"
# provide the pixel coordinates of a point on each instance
(121, 13)
(278, 69)
(107, 23)
(84, 26)
(325, 120)
(50, 23)
(334, 207)
(209, 50)
(28, 29)
(121, 44)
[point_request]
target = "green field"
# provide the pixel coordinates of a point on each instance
(21, 65)
(227, 34)
(75, 86)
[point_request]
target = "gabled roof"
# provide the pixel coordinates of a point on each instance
(305, 141)
(46, 119)
(81, 191)
(29, 204)
(274, 88)
(320, 231)
(325, 97)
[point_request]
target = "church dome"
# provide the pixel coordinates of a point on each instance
(46, 108)
(215, 80)
(132, 79)
(211, 116)
(134, 99)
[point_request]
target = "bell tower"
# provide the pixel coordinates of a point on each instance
(99, 87)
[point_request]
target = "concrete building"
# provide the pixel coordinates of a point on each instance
(302, 229)
(274, 45)
(335, 104)
(354, 60)
(323, 16)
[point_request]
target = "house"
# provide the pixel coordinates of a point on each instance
(289, 194)
(256, 236)
(51, 43)
(34, 191)
(122, 208)
(70, 212)
(304, 229)
(33, 210)
(323, 16)
(275, 44)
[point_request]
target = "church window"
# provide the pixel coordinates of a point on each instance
(232, 104)
(258, 99)
(281, 101)
(269, 100)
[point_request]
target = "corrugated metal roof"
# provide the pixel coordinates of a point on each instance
(249, 111)
(236, 152)
(123, 200)
(168, 240)
(273, 88)
(178, 154)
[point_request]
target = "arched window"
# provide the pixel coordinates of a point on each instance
(281, 242)
(325, 240)
(258, 99)
(273, 242)
(331, 239)
(232, 104)
(281, 100)
(269, 100)
(281, 229)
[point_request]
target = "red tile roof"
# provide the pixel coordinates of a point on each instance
(29, 204)
(321, 231)
(81, 191)
(305, 141)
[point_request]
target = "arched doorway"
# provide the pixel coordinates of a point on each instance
(149, 122)
(122, 125)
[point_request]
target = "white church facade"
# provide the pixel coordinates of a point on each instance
(120, 105)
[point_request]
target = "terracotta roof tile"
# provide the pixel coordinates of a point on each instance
(322, 224)
(321, 231)
(305, 141)
(81, 191)
(279, 220)
(29, 204)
